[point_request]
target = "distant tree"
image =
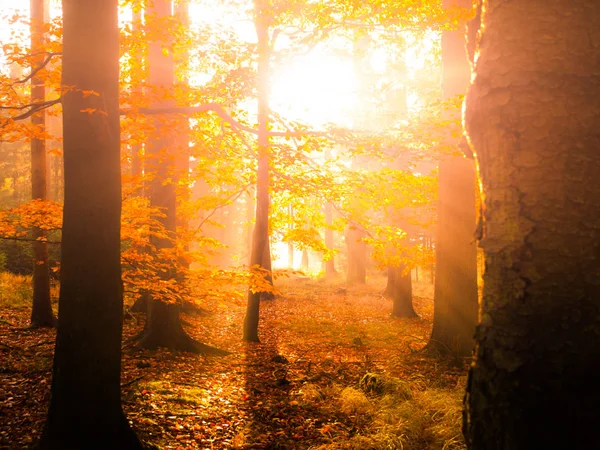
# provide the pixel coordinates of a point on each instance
(455, 291)
(41, 311)
(85, 405)
(533, 119)
(400, 289)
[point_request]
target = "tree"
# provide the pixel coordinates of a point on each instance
(163, 325)
(532, 116)
(260, 256)
(455, 291)
(85, 406)
(400, 289)
(41, 311)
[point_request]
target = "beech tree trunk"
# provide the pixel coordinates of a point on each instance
(533, 119)
(163, 324)
(85, 406)
(357, 257)
(41, 311)
(455, 289)
(260, 255)
(401, 293)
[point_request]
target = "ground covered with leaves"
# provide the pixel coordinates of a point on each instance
(333, 371)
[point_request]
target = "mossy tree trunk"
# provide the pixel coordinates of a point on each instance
(85, 406)
(41, 311)
(533, 119)
(455, 289)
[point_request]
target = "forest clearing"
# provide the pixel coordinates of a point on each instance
(330, 338)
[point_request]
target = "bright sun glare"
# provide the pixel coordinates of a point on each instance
(317, 89)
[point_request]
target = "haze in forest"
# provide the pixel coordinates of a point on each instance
(298, 224)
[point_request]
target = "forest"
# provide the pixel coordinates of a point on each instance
(299, 224)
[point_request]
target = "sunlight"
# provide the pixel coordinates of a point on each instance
(317, 89)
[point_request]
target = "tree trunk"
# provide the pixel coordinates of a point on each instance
(329, 241)
(401, 293)
(391, 277)
(304, 260)
(533, 119)
(85, 406)
(455, 289)
(164, 331)
(260, 255)
(357, 257)
(136, 149)
(41, 311)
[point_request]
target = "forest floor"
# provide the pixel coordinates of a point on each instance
(300, 388)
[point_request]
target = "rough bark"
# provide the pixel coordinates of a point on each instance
(455, 289)
(85, 406)
(41, 311)
(260, 254)
(401, 293)
(533, 119)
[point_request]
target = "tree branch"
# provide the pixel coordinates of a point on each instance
(220, 111)
(14, 238)
(37, 69)
(33, 108)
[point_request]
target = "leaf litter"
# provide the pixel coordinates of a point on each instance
(299, 388)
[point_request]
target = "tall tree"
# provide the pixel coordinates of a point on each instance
(533, 118)
(455, 290)
(163, 325)
(260, 255)
(85, 406)
(41, 311)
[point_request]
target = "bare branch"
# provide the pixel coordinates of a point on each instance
(228, 201)
(35, 71)
(33, 108)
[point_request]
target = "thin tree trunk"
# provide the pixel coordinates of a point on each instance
(41, 311)
(329, 242)
(260, 242)
(85, 405)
